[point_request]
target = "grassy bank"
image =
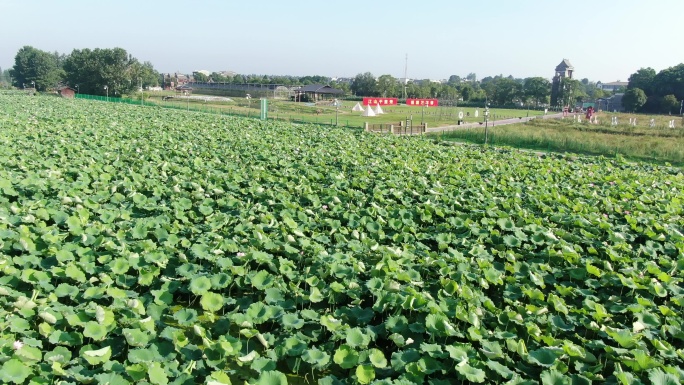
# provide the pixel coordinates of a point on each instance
(324, 112)
(659, 144)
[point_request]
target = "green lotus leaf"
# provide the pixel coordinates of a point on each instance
(560, 323)
(220, 281)
(491, 349)
(315, 295)
(346, 357)
(66, 290)
(200, 285)
(317, 358)
(501, 370)
(273, 377)
(95, 331)
(553, 377)
(262, 280)
(377, 358)
(470, 373)
(403, 357)
(356, 338)
(506, 224)
(543, 357)
(59, 354)
(29, 354)
(294, 346)
(261, 364)
(375, 285)
(157, 374)
(291, 320)
(365, 374)
(136, 337)
(185, 317)
(212, 302)
(14, 371)
(511, 241)
(111, 379)
(96, 356)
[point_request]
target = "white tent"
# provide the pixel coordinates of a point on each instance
(378, 110)
(368, 112)
(357, 107)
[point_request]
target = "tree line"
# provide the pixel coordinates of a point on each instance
(97, 71)
(115, 72)
(495, 90)
(651, 92)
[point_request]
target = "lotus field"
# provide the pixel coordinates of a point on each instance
(148, 246)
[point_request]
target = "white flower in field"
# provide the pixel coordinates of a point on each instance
(241, 254)
(409, 341)
(17, 345)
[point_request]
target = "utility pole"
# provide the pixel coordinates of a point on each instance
(405, 74)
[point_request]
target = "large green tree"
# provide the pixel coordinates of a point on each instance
(634, 99)
(669, 105)
(387, 86)
(466, 91)
(5, 78)
(200, 77)
(364, 85)
(454, 80)
(115, 69)
(448, 92)
(570, 92)
(537, 89)
(670, 81)
(643, 79)
(33, 66)
(507, 91)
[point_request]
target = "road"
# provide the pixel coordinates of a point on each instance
(493, 123)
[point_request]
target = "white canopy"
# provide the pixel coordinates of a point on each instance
(357, 107)
(368, 112)
(378, 110)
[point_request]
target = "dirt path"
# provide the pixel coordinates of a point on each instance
(493, 123)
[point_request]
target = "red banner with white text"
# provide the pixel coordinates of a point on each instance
(422, 102)
(380, 101)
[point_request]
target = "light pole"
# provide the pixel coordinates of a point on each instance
(142, 95)
(34, 85)
(486, 116)
(680, 106)
(337, 110)
(77, 89)
(107, 91)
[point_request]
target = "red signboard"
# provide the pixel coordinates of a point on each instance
(422, 102)
(380, 101)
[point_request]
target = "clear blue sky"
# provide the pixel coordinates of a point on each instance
(605, 40)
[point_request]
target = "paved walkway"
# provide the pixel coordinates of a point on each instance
(493, 123)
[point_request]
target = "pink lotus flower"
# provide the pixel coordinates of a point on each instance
(17, 345)
(627, 212)
(324, 207)
(241, 254)
(591, 185)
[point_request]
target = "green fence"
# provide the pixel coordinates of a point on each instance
(219, 111)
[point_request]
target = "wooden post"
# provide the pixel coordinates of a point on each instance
(365, 127)
(392, 129)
